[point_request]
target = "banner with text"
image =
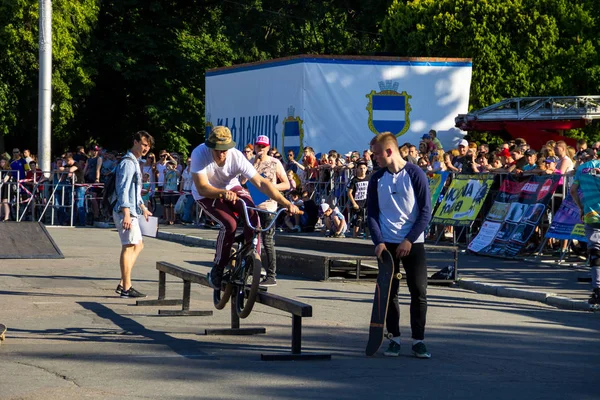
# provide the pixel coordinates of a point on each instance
(566, 223)
(437, 181)
(338, 103)
(516, 212)
(463, 200)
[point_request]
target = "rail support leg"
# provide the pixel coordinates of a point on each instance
(162, 291)
(296, 354)
(185, 308)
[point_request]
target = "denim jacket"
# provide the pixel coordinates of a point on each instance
(128, 185)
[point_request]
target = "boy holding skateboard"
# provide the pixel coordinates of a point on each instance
(398, 212)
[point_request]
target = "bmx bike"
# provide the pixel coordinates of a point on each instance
(242, 273)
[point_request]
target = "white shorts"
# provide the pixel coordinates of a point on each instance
(131, 236)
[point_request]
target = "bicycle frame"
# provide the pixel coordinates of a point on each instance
(238, 254)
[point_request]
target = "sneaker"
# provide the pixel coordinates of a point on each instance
(595, 297)
(297, 229)
(214, 280)
(393, 349)
(132, 293)
(419, 350)
(119, 289)
(268, 281)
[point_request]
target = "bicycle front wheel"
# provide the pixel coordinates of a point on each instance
(247, 290)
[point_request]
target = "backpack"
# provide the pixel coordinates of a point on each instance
(109, 196)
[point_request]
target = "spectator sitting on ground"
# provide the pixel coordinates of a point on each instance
(334, 220)
(293, 222)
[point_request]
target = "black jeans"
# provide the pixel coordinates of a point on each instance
(268, 256)
(416, 278)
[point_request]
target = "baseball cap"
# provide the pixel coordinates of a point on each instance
(427, 136)
(220, 139)
(324, 207)
(361, 161)
(262, 140)
(552, 159)
(530, 153)
(463, 143)
(94, 148)
(504, 152)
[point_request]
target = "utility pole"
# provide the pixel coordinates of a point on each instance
(45, 86)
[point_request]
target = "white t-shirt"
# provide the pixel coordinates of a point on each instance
(186, 176)
(224, 177)
(160, 168)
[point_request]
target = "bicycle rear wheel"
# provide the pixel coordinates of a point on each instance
(221, 297)
(247, 290)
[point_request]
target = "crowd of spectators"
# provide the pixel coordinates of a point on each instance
(330, 186)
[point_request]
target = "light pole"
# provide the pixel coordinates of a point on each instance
(45, 85)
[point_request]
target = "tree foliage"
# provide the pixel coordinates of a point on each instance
(71, 77)
(519, 48)
(125, 65)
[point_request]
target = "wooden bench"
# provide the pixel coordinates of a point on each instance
(297, 309)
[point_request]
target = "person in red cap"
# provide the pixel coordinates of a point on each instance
(272, 170)
(216, 165)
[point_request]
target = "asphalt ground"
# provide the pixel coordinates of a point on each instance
(70, 336)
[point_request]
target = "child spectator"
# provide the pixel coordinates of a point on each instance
(170, 194)
(335, 222)
(357, 196)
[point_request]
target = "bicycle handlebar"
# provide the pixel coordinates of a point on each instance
(260, 229)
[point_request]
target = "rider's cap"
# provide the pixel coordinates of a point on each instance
(262, 140)
(530, 153)
(220, 138)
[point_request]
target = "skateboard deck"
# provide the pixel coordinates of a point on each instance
(2, 331)
(385, 265)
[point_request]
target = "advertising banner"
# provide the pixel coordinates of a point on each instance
(463, 200)
(338, 102)
(566, 223)
(515, 214)
(436, 184)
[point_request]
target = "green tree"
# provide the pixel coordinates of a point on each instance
(72, 23)
(519, 48)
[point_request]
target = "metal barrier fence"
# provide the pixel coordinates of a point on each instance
(54, 198)
(44, 196)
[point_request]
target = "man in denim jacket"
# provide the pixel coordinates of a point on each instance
(129, 206)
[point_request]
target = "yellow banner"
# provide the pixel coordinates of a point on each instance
(463, 200)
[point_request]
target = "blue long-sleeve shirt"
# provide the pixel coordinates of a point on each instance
(398, 205)
(128, 185)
